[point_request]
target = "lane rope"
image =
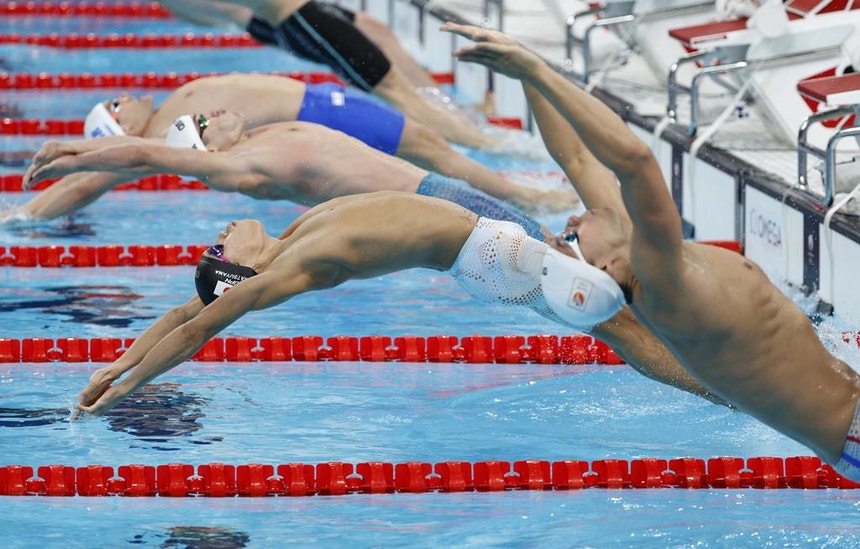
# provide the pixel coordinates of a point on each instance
(84, 8)
(339, 478)
(148, 80)
(472, 349)
(206, 40)
(575, 349)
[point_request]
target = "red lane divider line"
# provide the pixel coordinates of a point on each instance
(97, 9)
(473, 349)
(338, 478)
(11, 183)
(575, 349)
(111, 255)
(148, 80)
(131, 40)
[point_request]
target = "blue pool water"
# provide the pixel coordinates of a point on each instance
(279, 412)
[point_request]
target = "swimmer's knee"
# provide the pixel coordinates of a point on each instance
(422, 138)
(372, 28)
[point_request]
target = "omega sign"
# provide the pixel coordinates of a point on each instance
(764, 228)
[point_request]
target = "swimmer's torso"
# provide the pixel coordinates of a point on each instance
(374, 234)
(742, 336)
(308, 164)
(259, 98)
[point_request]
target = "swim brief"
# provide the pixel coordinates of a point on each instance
(500, 263)
(849, 464)
(326, 34)
(364, 118)
(460, 192)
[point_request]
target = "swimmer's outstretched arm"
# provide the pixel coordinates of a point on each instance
(657, 238)
(220, 170)
(102, 378)
(51, 151)
(172, 340)
(594, 183)
(67, 195)
(175, 338)
(643, 352)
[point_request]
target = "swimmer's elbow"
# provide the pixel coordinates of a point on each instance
(635, 155)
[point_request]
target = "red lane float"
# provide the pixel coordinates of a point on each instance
(339, 478)
(147, 80)
(111, 255)
(136, 41)
(474, 349)
(89, 9)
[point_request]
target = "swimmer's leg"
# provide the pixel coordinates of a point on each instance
(426, 148)
(379, 33)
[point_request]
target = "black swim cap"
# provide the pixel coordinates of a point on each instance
(214, 277)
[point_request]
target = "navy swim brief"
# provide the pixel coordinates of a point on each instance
(326, 34)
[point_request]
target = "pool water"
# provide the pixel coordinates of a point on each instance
(313, 412)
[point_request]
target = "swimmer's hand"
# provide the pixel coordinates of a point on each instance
(44, 164)
(557, 242)
(495, 50)
(478, 34)
(99, 395)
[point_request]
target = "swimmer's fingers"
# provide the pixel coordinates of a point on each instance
(558, 243)
(27, 181)
(512, 61)
(45, 158)
(99, 383)
(50, 151)
(105, 402)
(36, 174)
(478, 34)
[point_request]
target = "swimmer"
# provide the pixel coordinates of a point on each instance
(263, 99)
(330, 35)
(717, 311)
(370, 235)
(297, 161)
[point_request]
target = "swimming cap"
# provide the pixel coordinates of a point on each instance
(214, 277)
(580, 294)
(100, 123)
(183, 134)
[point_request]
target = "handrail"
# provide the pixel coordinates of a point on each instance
(769, 62)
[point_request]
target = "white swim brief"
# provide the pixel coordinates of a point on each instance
(500, 263)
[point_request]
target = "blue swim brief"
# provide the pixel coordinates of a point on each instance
(377, 125)
(460, 192)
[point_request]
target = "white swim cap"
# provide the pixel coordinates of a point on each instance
(580, 294)
(183, 134)
(100, 123)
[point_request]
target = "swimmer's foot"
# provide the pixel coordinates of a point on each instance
(543, 201)
(8, 217)
(487, 107)
(519, 144)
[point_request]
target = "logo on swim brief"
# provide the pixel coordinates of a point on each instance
(221, 288)
(579, 294)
